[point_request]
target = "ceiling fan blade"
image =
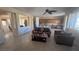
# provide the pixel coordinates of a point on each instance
(44, 13)
(53, 11)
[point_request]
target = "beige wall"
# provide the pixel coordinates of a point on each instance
(6, 17)
(29, 19)
(22, 19)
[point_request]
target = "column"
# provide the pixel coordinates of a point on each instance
(37, 21)
(14, 21)
(65, 22)
(30, 21)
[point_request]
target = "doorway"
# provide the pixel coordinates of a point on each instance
(5, 25)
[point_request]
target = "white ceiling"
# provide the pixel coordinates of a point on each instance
(38, 11)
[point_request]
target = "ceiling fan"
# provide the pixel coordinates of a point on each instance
(49, 11)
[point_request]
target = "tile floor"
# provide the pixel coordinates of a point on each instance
(14, 42)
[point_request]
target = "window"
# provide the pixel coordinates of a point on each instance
(77, 24)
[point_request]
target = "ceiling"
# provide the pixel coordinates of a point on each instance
(38, 11)
(2, 12)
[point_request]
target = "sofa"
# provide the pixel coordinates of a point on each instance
(38, 35)
(63, 38)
